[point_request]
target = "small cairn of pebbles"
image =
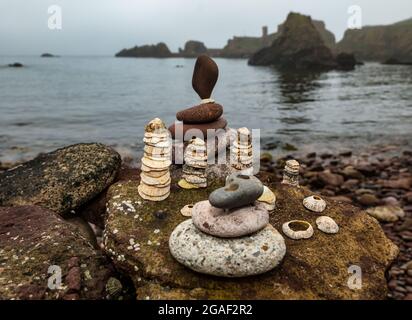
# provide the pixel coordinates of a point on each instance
(291, 173)
(241, 152)
(228, 230)
(194, 169)
(155, 177)
(197, 120)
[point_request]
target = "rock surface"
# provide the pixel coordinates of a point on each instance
(235, 257)
(306, 272)
(62, 180)
(235, 223)
(32, 239)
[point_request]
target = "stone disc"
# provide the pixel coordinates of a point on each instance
(234, 257)
(152, 198)
(154, 164)
(153, 191)
(228, 224)
(156, 181)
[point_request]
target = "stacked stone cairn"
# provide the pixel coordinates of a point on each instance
(197, 120)
(155, 176)
(241, 157)
(194, 170)
(229, 235)
(291, 173)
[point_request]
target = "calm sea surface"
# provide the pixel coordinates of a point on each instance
(55, 102)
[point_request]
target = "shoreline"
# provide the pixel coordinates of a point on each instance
(376, 178)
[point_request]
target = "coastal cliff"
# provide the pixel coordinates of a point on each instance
(380, 43)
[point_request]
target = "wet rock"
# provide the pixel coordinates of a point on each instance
(342, 199)
(401, 183)
(32, 239)
(351, 173)
(240, 190)
(368, 200)
(62, 180)
(408, 197)
(266, 157)
(157, 275)
(350, 184)
(84, 229)
(386, 213)
(235, 257)
(391, 201)
(235, 223)
(367, 170)
(329, 178)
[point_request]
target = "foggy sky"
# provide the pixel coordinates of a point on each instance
(106, 26)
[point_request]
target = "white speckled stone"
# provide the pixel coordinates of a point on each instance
(231, 223)
(233, 257)
(327, 224)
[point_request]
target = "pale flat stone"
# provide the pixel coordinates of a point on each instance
(231, 223)
(235, 257)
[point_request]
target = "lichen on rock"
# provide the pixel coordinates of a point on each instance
(317, 268)
(62, 180)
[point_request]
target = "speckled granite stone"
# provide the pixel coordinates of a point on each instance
(237, 257)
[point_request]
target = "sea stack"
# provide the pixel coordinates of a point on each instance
(241, 157)
(291, 173)
(155, 176)
(197, 120)
(194, 169)
(229, 235)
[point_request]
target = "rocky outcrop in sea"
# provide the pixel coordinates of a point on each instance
(299, 46)
(159, 50)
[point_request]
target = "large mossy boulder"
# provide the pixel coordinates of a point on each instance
(34, 243)
(62, 180)
(137, 234)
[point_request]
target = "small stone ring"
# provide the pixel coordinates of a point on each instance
(297, 229)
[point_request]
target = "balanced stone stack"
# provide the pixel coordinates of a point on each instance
(241, 157)
(155, 176)
(197, 120)
(229, 235)
(291, 173)
(194, 170)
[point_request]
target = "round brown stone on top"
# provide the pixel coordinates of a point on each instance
(205, 76)
(202, 113)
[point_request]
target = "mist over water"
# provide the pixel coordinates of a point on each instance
(56, 102)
